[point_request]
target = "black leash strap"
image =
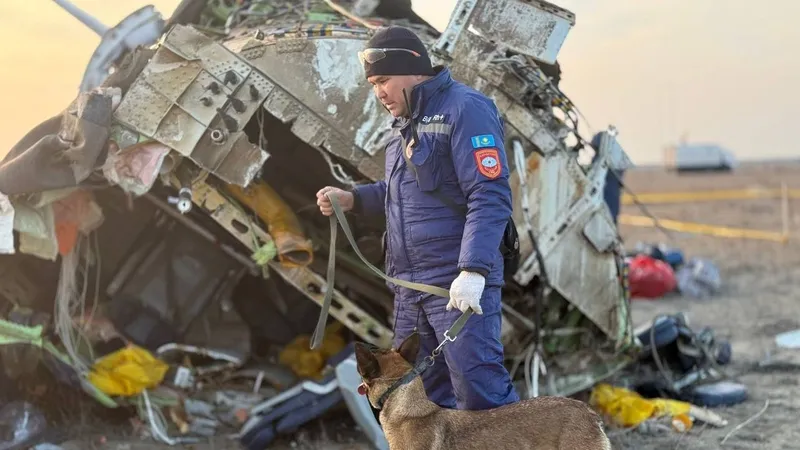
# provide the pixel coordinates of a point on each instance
(449, 336)
(319, 331)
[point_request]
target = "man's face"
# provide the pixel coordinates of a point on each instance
(389, 90)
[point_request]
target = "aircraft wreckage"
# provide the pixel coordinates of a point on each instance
(172, 203)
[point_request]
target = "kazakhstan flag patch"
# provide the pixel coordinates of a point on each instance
(484, 140)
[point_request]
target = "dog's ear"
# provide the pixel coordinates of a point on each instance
(410, 348)
(366, 362)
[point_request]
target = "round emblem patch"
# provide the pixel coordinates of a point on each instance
(488, 161)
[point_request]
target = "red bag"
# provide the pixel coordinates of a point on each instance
(649, 277)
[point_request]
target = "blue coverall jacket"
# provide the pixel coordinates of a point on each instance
(460, 154)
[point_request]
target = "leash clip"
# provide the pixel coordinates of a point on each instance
(444, 342)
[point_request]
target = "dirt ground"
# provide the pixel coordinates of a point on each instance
(759, 298)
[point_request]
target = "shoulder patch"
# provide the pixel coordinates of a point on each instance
(488, 162)
(484, 140)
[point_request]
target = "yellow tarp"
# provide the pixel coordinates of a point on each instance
(627, 408)
(127, 372)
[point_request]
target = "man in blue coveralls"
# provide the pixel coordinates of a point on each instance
(461, 156)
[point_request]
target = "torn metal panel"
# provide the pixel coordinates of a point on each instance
(231, 217)
(533, 128)
(196, 97)
(323, 99)
(474, 64)
(532, 27)
(601, 232)
(141, 28)
(569, 219)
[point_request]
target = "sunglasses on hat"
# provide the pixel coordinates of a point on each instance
(373, 55)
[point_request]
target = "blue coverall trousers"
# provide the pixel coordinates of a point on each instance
(471, 375)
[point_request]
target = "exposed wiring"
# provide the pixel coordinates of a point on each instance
(570, 109)
(71, 301)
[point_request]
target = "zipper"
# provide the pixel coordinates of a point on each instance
(399, 160)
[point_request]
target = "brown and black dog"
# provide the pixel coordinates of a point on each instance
(412, 422)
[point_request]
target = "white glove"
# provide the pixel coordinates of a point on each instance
(466, 291)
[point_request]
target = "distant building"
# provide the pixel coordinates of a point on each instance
(698, 157)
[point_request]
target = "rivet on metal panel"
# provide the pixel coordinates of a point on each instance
(253, 53)
(291, 45)
(217, 136)
(253, 93)
(237, 104)
(231, 78)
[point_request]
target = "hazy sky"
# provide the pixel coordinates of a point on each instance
(715, 70)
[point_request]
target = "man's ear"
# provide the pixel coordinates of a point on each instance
(366, 362)
(410, 348)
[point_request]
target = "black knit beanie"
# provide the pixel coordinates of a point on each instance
(399, 63)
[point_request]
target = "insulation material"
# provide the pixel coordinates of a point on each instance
(195, 97)
(294, 249)
(49, 223)
(37, 231)
(136, 169)
(77, 213)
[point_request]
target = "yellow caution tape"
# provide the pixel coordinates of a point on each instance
(699, 196)
(700, 228)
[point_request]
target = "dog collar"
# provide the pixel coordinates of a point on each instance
(405, 379)
(449, 336)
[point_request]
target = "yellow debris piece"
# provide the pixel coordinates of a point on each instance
(294, 248)
(127, 372)
(628, 409)
(307, 363)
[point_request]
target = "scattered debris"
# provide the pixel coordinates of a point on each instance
(629, 409)
(788, 340)
(744, 424)
(22, 425)
(698, 278)
(656, 270)
(168, 219)
(649, 277)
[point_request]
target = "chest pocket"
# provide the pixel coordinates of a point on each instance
(424, 164)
